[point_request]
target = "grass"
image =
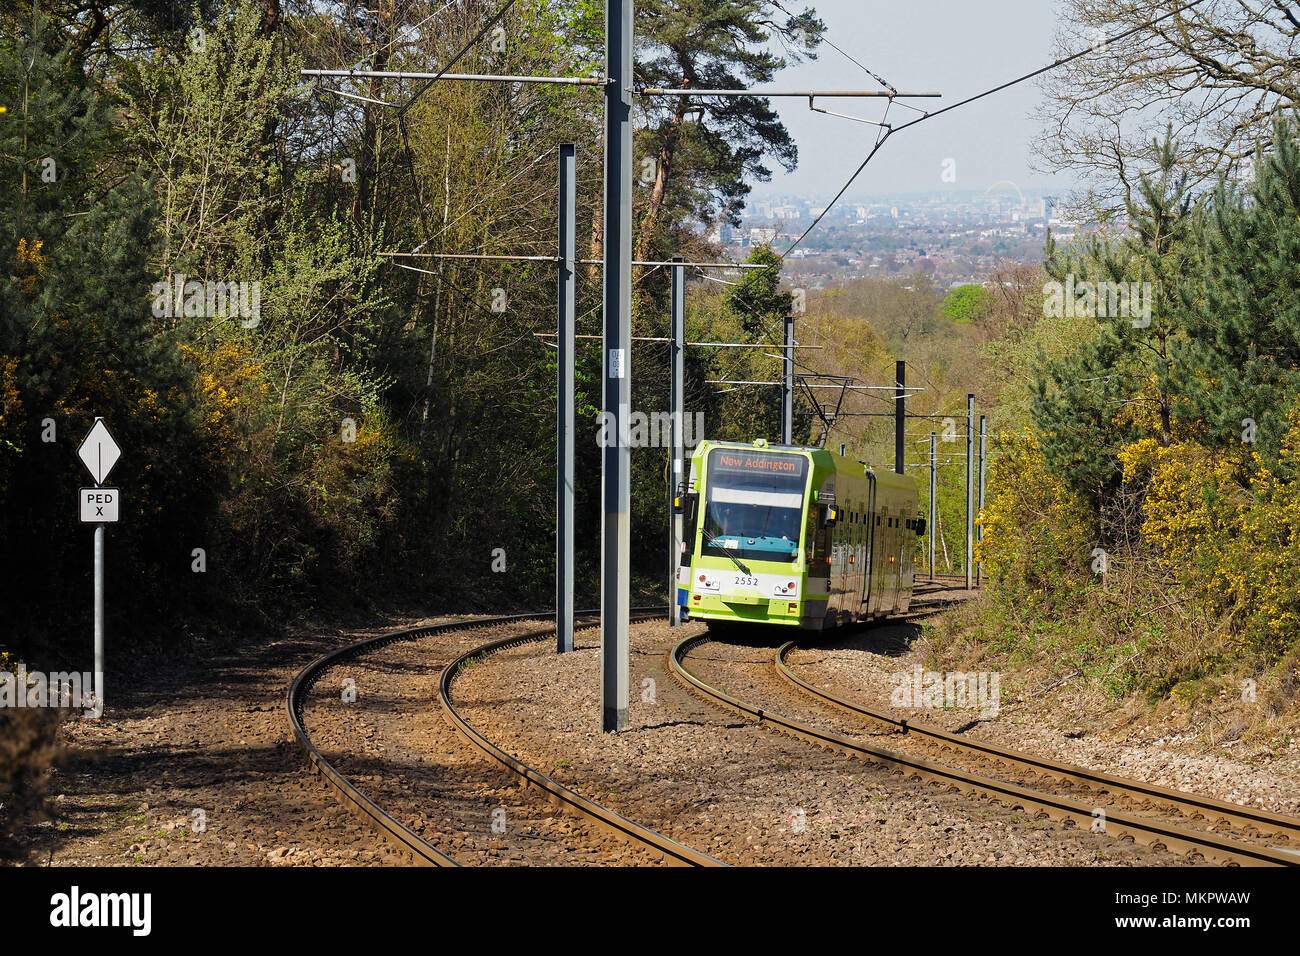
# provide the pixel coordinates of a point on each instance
(470, 663)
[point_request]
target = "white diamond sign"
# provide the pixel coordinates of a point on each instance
(99, 452)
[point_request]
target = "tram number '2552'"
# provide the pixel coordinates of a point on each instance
(746, 582)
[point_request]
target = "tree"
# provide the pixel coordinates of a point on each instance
(700, 151)
(1219, 72)
(1117, 387)
(1239, 367)
(77, 340)
(967, 303)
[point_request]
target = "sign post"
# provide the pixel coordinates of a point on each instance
(99, 505)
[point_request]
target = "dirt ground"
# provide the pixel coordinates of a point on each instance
(194, 764)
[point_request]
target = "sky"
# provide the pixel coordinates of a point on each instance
(957, 47)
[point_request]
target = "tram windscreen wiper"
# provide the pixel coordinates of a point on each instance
(710, 538)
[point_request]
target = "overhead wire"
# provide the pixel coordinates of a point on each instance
(886, 131)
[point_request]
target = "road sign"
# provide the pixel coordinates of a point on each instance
(99, 504)
(99, 452)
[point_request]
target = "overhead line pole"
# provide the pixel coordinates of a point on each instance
(787, 383)
(615, 600)
(900, 413)
(564, 417)
(930, 524)
(979, 530)
(970, 516)
(676, 452)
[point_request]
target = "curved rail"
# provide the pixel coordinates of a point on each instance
(673, 851)
(1189, 804)
(1141, 829)
(402, 837)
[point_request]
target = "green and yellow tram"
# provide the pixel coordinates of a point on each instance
(798, 536)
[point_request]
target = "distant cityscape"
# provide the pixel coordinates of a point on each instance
(956, 237)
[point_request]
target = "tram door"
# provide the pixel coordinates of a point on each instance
(869, 539)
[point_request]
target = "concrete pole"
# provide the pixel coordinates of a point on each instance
(616, 490)
(564, 425)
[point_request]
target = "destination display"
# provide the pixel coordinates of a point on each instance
(724, 463)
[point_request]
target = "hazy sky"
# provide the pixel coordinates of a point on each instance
(957, 47)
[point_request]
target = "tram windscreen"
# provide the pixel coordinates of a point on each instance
(754, 504)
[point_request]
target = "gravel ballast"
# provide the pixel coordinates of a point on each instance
(739, 791)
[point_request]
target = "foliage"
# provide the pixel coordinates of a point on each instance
(375, 433)
(1171, 444)
(77, 340)
(703, 153)
(967, 303)
(29, 750)
(1035, 530)
(1241, 357)
(1237, 546)
(1116, 387)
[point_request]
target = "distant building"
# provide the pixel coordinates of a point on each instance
(720, 233)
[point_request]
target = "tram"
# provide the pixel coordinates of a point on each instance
(793, 536)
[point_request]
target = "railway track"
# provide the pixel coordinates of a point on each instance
(403, 838)
(1194, 807)
(1120, 823)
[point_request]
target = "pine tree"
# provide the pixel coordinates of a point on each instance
(1118, 386)
(77, 340)
(1240, 365)
(701, 150)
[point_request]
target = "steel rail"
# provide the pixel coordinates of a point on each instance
(402, 837)
(1118, 823)
(616, 823)
(1189, 804)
